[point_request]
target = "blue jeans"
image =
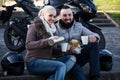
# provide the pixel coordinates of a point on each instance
(90, 53)
(56, 67)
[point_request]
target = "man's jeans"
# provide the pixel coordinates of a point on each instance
(90, 53)
(56, 67)
(77, 72)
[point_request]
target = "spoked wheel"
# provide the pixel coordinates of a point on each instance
(13, 40)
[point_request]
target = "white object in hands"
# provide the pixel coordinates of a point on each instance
(64, 47)
(84, 40)
(53, 40)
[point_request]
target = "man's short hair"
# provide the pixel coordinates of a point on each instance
(65, 7)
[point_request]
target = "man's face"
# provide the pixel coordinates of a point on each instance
(66, 15)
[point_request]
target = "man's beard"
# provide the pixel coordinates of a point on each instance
(66, 25)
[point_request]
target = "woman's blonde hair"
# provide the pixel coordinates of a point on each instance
(45, 9)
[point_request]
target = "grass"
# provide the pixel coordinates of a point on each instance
(115, 16)
(107, 4)
(110, 5)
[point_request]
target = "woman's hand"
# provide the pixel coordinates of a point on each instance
(70, 48)
(53, 37)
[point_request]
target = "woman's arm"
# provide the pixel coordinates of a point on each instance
(31, 39)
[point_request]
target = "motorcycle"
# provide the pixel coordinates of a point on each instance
(16, 30)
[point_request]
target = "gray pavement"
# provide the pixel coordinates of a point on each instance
(112, 36)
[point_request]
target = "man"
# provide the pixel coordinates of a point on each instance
(70, 29)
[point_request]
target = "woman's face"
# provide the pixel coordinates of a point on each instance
(50, 16)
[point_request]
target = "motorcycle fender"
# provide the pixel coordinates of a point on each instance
(93, 26)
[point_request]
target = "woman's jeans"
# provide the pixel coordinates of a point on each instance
(56, 67)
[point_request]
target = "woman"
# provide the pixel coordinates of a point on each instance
(39, 58)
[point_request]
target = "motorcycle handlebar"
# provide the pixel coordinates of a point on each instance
(9, 7)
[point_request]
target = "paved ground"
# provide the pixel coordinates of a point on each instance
(112, 36)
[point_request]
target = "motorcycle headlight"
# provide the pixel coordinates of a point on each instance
(86, 8)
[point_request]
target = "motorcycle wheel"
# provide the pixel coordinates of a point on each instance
(13, 41)
(102, 43)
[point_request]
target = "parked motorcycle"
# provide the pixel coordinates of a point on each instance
(16, 30)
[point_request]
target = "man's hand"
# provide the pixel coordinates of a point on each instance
(92, 38)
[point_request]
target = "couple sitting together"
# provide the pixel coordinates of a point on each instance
(40, 58)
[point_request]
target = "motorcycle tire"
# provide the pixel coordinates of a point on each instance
(102, 43)
(13, 41)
